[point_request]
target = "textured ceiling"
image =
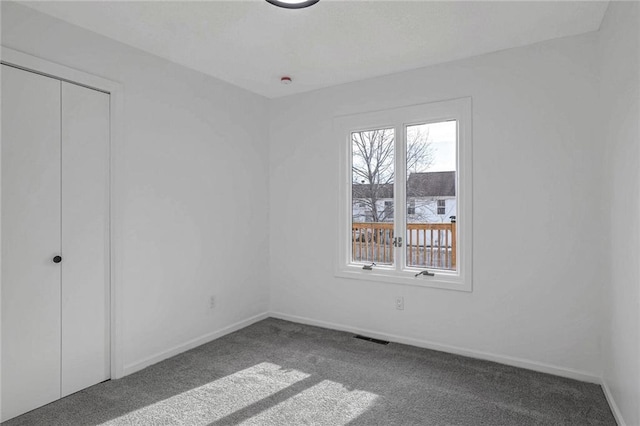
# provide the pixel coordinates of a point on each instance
(252, 43)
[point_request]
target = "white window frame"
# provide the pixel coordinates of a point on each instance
(399, 119)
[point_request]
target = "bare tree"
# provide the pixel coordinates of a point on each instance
(373, 166)
(419, 150)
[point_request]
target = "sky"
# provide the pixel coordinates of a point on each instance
(442, 137)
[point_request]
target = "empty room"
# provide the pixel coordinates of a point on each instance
(320, 212)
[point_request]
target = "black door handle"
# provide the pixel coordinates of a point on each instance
(57, 259)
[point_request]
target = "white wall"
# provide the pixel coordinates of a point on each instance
(620, 86)
(537, 267)
(194, 187)
(192, 191)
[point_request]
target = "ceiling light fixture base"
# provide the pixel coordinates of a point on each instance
(293, 4)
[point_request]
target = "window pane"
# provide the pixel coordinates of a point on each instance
(431, 195)
(373, 174)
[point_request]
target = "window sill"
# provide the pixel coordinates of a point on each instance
(443, 280)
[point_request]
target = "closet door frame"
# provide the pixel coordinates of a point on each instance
(115, 90)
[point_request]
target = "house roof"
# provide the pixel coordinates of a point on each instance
(432, 184)
(428, 184)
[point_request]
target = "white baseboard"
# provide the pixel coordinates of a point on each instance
(612, 403)
(502, 359)
(137, 366)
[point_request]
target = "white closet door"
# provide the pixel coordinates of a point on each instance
(85, 243)
(30, 240)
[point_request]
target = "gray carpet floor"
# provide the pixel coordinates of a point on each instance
(281, 373)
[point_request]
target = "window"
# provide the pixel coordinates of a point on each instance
(388, 210)
(411, 167)
(411, 209)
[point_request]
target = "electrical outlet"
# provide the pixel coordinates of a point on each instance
(212, 302)
(400, 303)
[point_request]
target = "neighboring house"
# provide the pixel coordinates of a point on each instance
(431, 198)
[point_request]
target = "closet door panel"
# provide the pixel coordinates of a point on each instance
(30, 239)
(85, 242)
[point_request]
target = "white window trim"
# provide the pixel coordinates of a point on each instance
(399, 118)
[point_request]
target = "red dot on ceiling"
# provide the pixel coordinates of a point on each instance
(285, 80)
